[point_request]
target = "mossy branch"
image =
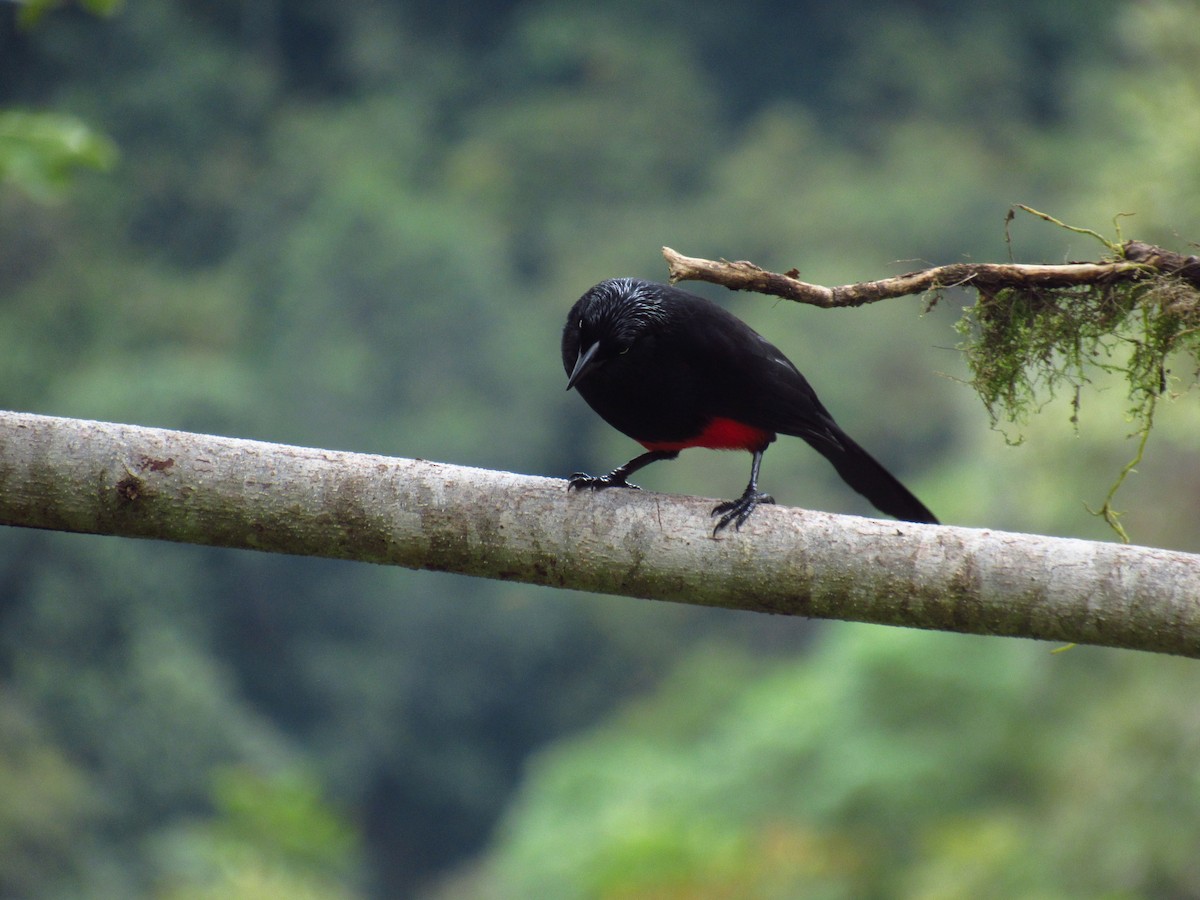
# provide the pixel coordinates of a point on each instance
(1032, 329)
(1140, 262)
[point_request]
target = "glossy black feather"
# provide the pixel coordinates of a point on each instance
(667, 363)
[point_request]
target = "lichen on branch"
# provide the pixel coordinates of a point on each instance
(1023, 342)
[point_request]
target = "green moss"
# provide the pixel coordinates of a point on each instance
(1023, 345)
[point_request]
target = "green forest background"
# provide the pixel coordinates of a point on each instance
(359, 225)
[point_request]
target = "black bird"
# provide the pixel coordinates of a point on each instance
(673, 371)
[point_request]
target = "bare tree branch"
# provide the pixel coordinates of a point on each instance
(94, 477)
(1141, 261)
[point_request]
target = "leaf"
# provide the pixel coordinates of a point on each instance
(32, 11)
(39, 151)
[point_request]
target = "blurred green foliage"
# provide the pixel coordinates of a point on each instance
(39, 152)
(359, 225)
(31, 12)
(885, 763)
(270, 839)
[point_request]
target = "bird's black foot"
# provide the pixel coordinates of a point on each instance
(737, 511)
(581, 481)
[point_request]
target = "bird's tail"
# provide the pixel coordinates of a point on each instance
(862, 472)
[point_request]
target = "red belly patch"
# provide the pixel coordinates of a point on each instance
(719, 434)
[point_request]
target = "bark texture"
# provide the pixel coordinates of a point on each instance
(1141, 261)
(102, 478)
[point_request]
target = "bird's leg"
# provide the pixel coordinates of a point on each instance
(616, 478)
(739, 510)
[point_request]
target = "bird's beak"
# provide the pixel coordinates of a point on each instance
(586, 362)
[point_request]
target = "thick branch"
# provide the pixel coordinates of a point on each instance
(1142, 260)
(101, 478)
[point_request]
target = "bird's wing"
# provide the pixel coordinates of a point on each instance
(749, 379)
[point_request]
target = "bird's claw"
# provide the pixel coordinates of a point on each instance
(736, 512)
(581, 481)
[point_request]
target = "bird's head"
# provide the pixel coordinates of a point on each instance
(606, 322)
